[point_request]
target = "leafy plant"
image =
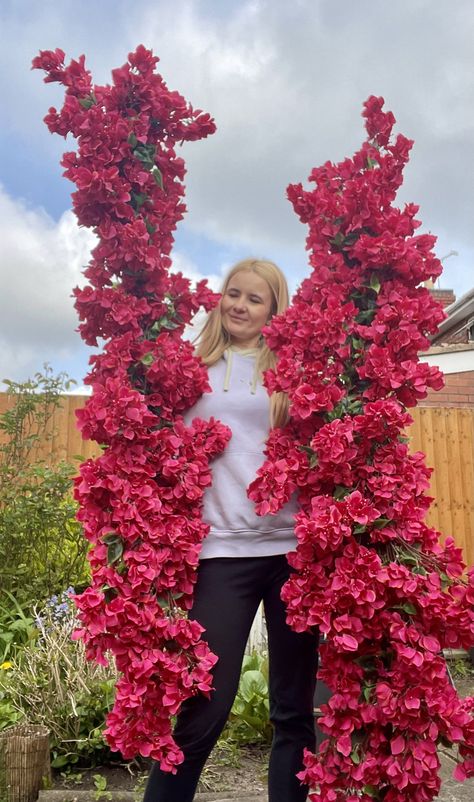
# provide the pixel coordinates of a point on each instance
(42, 548)
(16, 625)
(9, 715)
(462, 668)
(100, 785)
(249, 720)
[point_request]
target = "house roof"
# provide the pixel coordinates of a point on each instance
(448, 348)
(458, 312)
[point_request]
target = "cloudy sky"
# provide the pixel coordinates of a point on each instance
(285, 81)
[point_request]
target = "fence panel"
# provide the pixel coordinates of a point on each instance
(61, 439)
(446, 436)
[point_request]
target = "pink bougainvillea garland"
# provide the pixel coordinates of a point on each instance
(140, 501)
(369, 572)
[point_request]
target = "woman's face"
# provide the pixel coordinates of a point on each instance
(245, 308)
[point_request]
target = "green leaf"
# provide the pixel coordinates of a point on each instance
(157, 175)
(359, 529)
(150, 227)
(60, 761)
(114, 544)
(114, 552)
(145, 154)
(367, 692)
(371, 163)
(381, 522)
(338, 240)
(132, 140)
(340, 492)
(354, 406)
(110, 537)
(374, 283)
(87, 102)
(366, 316)
(147, 359)
(407, 559)
(409, 608)
(357, 343)
(355, 757)
(138, 199)
(109, 593)
(252, 684)
(351, 238)
(370, 790)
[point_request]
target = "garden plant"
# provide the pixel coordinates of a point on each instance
(42, 548)
(49, 681)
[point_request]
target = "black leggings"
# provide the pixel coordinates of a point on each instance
(227, 595)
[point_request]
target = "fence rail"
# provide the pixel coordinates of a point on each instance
(444, 434)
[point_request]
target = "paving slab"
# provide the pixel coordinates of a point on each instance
(451, 791)
(63, 795)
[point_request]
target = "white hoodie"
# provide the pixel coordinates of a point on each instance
(240, 401)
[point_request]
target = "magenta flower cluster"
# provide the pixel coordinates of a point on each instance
(369, 572)
(141, 500)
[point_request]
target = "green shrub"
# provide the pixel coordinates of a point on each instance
(249, 720)
(50, 682)
(17, 627)
(42, 548)
(8, 714)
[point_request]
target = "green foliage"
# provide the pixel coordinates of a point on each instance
(42, 549)
(249, 719)
(8, 714)
(100, 785)
(52, 683)
(461, 668)
(16, 626)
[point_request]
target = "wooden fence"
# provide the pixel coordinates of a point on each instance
(445, 435)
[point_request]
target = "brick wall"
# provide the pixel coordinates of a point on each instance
(449, 339)
(458, 391)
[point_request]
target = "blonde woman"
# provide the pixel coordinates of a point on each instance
(242, 561)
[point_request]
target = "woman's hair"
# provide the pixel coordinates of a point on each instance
(214, 339)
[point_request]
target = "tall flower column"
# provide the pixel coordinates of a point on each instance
(369, 572)
(140, 501)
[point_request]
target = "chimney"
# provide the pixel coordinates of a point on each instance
(445, 297)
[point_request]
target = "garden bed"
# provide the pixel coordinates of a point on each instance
(237, 773)
(229, 770)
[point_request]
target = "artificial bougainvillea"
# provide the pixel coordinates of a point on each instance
(140, 501)
(369, 572)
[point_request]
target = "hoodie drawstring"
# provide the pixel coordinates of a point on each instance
(228, 369)
(249, 352)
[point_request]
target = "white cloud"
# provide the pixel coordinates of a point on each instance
(41, 263)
